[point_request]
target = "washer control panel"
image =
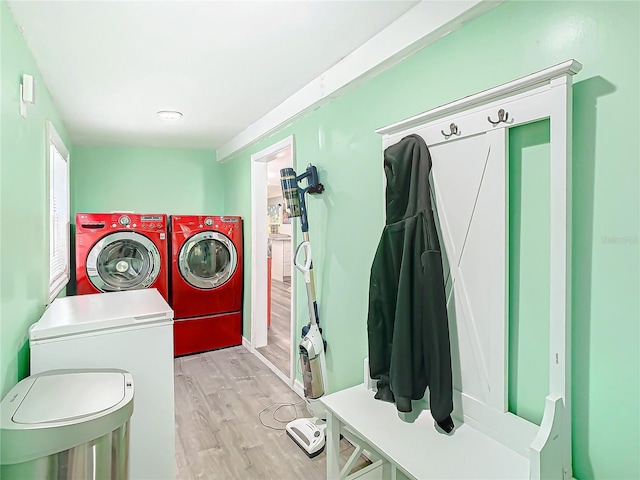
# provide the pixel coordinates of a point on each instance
(152, 222)
(119, 221)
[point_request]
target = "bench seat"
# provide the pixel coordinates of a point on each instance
(417, 449)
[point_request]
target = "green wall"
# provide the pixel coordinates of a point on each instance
(511, 41)
(529, 261)
(146, 181)
(102, 179)
(24, 205)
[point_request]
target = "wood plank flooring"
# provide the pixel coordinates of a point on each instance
(218, 396)
(278, 348)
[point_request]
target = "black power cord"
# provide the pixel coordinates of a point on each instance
(273, 414)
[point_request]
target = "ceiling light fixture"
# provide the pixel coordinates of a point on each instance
(169, 115)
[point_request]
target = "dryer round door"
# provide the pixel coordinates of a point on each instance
(207, 260)
(123, 261)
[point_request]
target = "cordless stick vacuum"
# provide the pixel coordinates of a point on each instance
(308, 433)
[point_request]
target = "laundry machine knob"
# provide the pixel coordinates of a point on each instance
(124, 220)
(208, 222)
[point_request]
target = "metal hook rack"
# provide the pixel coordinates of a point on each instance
(503, 116)
(453, 128)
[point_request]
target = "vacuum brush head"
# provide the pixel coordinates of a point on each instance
(308, 435)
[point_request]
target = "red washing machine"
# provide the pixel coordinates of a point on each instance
(206, 282)
(121, 251)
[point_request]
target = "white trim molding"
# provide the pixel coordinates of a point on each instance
(298, 388)
(259, 238)
(272, 367)
(53, 144)
(259, 162)
(521, 85)
(421, 26)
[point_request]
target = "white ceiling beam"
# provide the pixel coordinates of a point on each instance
(425, 23)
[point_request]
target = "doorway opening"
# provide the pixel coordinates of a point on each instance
(272, 320)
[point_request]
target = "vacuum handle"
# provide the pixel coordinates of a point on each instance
(305, 268)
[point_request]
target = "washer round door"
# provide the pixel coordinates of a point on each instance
(207, 260)
(123, 261)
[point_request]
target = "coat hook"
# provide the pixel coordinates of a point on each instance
(502, 117)
(454, 131)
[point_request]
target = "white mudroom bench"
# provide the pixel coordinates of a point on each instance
(410, 446)
(468, 141)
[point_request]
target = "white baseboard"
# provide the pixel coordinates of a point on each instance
(272, 367)
(298, 388)
(246, 344)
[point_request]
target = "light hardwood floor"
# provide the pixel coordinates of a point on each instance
(218, 396)
(278, 346)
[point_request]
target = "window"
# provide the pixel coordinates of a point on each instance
(58, 213)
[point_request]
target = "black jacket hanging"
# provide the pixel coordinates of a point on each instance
(407, 324)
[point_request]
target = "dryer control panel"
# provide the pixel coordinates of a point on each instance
(86, 222)
(153, 222)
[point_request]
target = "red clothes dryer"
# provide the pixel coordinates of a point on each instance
(121, 251)
(206, 282)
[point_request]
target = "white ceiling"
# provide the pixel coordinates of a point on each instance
(111, 65)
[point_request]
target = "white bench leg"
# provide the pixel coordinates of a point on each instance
(333, 447)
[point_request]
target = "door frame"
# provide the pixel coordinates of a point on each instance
(259, 238)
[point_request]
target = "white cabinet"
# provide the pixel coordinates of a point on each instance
(111, 330)
(281, 258)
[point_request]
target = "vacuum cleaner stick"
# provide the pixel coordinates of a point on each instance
(294, 198)
(308, 433)
(294, 195)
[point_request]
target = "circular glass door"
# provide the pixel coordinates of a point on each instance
(207, 260)
(123, 261)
